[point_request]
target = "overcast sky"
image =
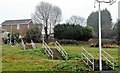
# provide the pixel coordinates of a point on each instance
(22, 9)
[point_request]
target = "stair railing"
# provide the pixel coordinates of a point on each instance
(23, 44)
(48, 50)
(61, 50)
(108, 61)
(33, 44)
(86, 57)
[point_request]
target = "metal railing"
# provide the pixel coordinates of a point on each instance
(87, 55)
(61, 50)
(23, 44)
(33, 44)
(16, 43)
(48, 50)
(111, 63)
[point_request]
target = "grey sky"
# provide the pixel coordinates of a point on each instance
(22, 9)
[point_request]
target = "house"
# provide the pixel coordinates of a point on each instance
(20, 26)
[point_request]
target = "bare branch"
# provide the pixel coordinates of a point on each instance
(48, 14)
(76, 20)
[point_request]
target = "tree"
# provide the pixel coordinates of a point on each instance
(106, 32)
(92, 21)
(55, 17)
(106, 20)
(118, 33)
(76, 20)
(48, 14)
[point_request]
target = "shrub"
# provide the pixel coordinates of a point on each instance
(34, 34)
(108, 41)
(72, 32)
(72, 42)
(14, 38)
(66, 42)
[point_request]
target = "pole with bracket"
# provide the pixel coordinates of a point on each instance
(100, 49)
(100, 53)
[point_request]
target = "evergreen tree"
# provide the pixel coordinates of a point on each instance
(106, 20)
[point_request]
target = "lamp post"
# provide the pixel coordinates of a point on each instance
(100, 52)
(100, 49)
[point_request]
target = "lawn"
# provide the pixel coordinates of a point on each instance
(16, 59)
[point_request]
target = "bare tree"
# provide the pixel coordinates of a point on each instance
(48, 14)
(76, 20)
(55, 16)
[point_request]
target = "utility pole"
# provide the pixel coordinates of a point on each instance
(100, 49)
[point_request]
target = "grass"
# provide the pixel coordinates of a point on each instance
(16, 59)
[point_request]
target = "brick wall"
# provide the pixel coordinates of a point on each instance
(22, 28)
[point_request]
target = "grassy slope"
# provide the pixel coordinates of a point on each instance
(15, 59)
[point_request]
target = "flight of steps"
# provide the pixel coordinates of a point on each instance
(105, 68)
(56, 54)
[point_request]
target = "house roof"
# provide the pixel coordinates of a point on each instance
(22, 21)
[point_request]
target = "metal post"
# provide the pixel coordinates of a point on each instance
(11, 34)
(100, 49)
(43, 35)
(100, 53)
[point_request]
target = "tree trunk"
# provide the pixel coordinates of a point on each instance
(46, 32)
(50, 28)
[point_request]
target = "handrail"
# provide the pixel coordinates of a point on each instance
(111, 62)
(107, 53)
(16, 43)
(87, 52)
(33, 44)
(60, 49)
(47, 48)
(88, 60)
(23, 45)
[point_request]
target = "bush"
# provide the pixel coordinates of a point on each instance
(72, 32)
(72, 42)
(14, 38)
(33, 34)
(66, 42)
(108, 41)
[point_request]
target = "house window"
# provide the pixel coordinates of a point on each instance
(18, 26)
(28, 26)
